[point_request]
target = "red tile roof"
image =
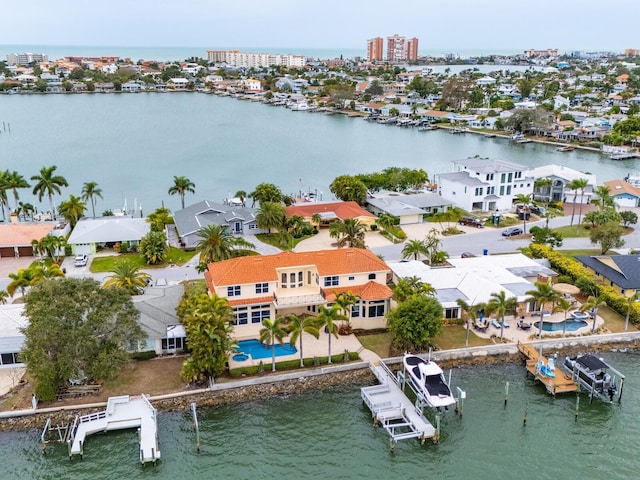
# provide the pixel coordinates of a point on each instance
(369, 291)
(20, 235)
(343, 210)
(250, 301)
(262, 268)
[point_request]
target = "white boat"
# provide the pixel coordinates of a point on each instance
(592, 373)
(299, 107)
(428, 379)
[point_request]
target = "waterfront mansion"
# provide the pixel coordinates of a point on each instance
(269, 286)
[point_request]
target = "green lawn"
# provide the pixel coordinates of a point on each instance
(377, 342)
(583, 252)
(107, 264)
(573, 231)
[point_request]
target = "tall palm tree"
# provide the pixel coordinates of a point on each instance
(573, 185)
(14, 181)
(182, 185)
(349, 233)
(19, 280)
(525, 200)
(581, 184)
(218, 244)
(242, 195)
(327, 318)
(500, 305)
(604, 198)
(90, 191)
(4, 202)
(47, 183)
(472, 314)
(316, 219)
(72, 210)
(270, 333)
(563, 305)
(631, 304)
(51, 245)
(414, 248)
(591, 305)
(544, 185)
(346, 300)
(270, 215)
(127, 275)
(543, 294)
(297, 326)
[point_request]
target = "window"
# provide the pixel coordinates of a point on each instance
(8, 358)
(510, 177)
(259, 313)
(352, 278)
(489, 176)
(501, 189)
(451, 313)
(253, 226)
(241, 316)
(283, 280)
(233, 291)
(478, 191)
(331, 281)
(508, 189)
(173, 343)
(503, 177)
(518, 175)
(262, 288)
(355, 311)
(372, 276)
(376, 309)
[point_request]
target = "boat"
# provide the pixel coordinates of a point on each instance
(428, 379)
(456, 131)
(299, 107)
(592, 374)
(566, 148)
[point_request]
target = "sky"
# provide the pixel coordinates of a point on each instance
(443, 26)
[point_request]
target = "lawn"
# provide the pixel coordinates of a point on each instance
(174, 256)
(573, 231)
(580, 252)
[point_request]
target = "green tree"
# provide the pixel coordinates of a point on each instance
(207, 323)
(544, 235)
(48, 183)
(270, 215)
(349, 189)
(591, 305)
(90, 192)
(385, 221)
(182, 185)
(608, 236)
(266, 192)
(631, 305)
(72, 210)
(524, 200)
(153, 247)
(158, 219)
(471, 312)
(542, 294)
(407, 287)
(432, 241)
(20, 280)
(581, 184)
(127, 276)
(500, 304)
(414, 248)
(328, 317)
(414, 322)
(242, 195)
(14, 181)
(218, 244)
(3, 297)
(629, 218)
(25, 209)
(346, 300)
(563, 305)
(4, 201)
(349, 233)
(76, 330)
(270, 333)
(543, 185)
(525, 86)
(604, 198)
(296, 326)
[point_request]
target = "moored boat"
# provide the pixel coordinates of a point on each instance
(592, 373)
(428, 379)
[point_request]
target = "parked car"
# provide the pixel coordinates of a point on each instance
(471, 221)
(511, 231)
(540, 211)
(81, 260)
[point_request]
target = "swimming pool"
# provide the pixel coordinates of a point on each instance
(258, 350)
(572, 325)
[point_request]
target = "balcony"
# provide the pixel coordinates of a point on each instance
(298, 297)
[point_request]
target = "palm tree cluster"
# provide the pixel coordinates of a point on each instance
(27, 277)
(128, 276)
(218, 244)
(349, 233)
(429, 247)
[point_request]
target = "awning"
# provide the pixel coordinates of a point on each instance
(176, 331)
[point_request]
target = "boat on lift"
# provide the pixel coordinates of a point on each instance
(428, 379)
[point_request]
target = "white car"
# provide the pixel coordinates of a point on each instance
(81, 260)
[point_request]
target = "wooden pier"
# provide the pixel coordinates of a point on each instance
(392, 409)
(561, 383)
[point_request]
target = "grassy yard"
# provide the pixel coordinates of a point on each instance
(573, 231)
(107, 264)
(377, 342)
(580, 252)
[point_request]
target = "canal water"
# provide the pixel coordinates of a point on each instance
(330, 435)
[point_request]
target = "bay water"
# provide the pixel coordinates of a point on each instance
(329, 434)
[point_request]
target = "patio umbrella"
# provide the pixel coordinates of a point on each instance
(566, 288)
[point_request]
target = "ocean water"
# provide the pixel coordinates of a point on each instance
(329, 434)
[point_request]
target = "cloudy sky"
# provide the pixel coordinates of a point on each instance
(451, 25)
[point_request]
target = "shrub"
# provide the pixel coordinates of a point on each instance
(146, 355)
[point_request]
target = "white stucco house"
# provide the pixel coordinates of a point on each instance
(559, 190)
(89, 233)
(484, 184)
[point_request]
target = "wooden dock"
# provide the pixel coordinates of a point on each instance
(561, 383)
(392, 409)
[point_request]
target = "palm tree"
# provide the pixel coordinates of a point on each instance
(127, 275)
(26, 209)
(4, 202)
(3, 297)
(542, 294)
(327, 318)
(472, 314)
(406, 287)
(316, 219)
(631, 304)
(525, 200)
(414, 248)
(563, 305)
(182, 185)
(51, 245)
(90, 191)
(297, 326)
(573, 185)
(581, 183)
(270, 215)
(500, 305)
(604, 199)
(242, 195)
(47, 184)
(385, 221)
(270, 333)
(544, 185)
(350, 233)
(591, 305)
(72, 210)
(346, 300)
(20, 280)
(217, 244)
(14, 181)
(42, 271)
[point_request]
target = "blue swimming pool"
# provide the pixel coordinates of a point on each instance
(258, 350)
(572, 325)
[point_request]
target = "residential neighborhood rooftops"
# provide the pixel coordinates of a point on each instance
(561, 171)
(618, 187)
(192, 218)
(341, 210)
(622, 270)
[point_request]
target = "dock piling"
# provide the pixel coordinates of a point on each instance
(506, 393)
(577, 406)
(196, 426)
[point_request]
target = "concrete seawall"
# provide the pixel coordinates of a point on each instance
(291, 383)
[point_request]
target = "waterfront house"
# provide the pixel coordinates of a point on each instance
(177, 83)
(91, 233)
(410, 207)
(559, 190)
(619, 271)
(236, 219)
(623, 193)
(269, 286)
(330, 211)
(12, 321)
(484, 184)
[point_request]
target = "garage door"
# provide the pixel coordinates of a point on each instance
(7, 252)
(626, 202)
(25, 251)
(83, 248)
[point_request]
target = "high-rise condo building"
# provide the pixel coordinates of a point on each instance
(412, 49)
(399, 49)
(374, 49)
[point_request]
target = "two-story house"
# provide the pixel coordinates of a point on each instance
(484, 184)
(559, 190)
(269, 286)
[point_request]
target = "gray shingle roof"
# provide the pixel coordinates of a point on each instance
(108, 229)
(462, 177)
(627, 273)
(194, 217)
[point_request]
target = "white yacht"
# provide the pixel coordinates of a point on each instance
(428, 379)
